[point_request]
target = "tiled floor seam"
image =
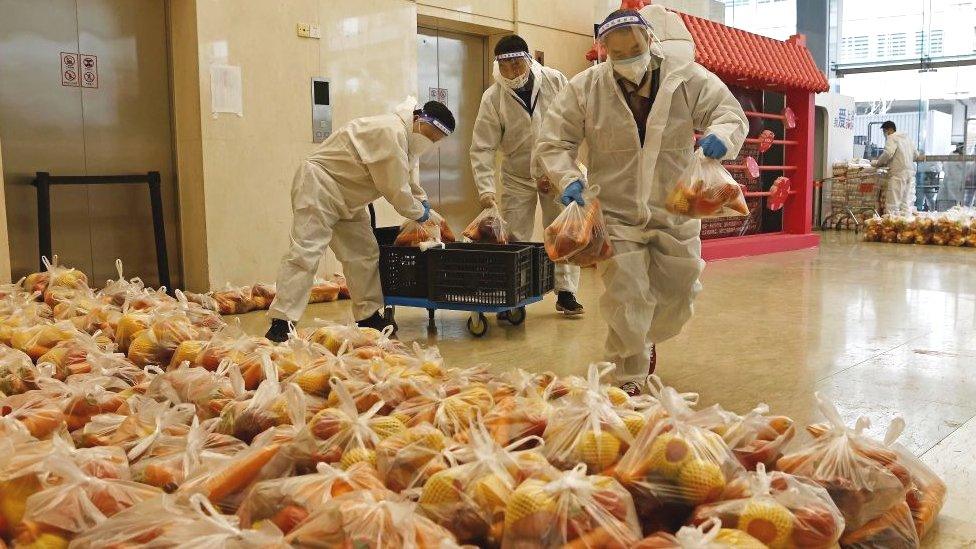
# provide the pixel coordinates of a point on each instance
(869, 359)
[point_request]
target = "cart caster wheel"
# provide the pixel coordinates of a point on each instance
(516, 316)
(478, 325)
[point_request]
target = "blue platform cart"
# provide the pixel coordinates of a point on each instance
(477, 278)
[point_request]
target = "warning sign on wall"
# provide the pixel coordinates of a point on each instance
(69, 69)
(438, 94)
(89, 71)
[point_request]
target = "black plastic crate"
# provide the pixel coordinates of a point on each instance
(481, 274)
(543, 269)
(403, 270)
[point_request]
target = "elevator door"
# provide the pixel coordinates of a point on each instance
(453, 63)
(122, 126)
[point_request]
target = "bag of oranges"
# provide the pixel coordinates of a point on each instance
(676, 464)
(572, 510)
(706, 189)
(778, 509)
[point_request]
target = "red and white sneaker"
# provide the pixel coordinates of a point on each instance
(634, 388)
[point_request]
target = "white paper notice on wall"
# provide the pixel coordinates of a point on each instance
(225, 90)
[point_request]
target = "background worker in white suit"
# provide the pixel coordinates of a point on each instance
(509, 119)
(899, 156)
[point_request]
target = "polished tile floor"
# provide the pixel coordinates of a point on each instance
(879, 329)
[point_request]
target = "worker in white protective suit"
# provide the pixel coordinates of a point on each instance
(369, 158)
(638, 113)
(509, 120)
(899, 156)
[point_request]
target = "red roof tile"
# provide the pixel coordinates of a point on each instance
(737, 55)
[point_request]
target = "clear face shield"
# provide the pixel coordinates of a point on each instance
(512, 69)
(630, 46)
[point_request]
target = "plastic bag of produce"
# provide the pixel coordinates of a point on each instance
(324, 291)
(706, 189)
(676, 462)
(756, 437)
(18, 374)
(169, 522)
(117, 291)
(209, 391)
(926, 491)
(778, 509)
(233, 301)
(353, 434)
(143, 524)
(36, 340)
(156, 344)
(262, 295)
(166, 460)
(272, 404)
(579, 234)
(448, 407)
(862, 476)
(286, 502)
(571, 511)
(709, 535)
(893, 529)
(432, 231)
(589, 430)
(77, 501)
(34, 411)
(71, 356)
(405, 460)
(469, 497)
(370, 519)
(487, 227)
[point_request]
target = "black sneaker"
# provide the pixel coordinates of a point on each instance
(377, 322)
(279, 330)
(566, 303)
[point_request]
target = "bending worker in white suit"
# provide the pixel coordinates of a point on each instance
(900, 156)
(509, 120)
(367, 159)
(637, 112)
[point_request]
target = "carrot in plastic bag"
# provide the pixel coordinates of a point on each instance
(705, 189)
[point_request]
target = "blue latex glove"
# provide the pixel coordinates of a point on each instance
(712, 146)
(426, 215)
(573, 193)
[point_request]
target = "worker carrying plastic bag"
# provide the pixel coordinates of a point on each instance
(369, 158)
(636, 153)
(706, 189)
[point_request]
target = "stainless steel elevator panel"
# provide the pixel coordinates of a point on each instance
(41, 129)
(123, 126)
(455, 63)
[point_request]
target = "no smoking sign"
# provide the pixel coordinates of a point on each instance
(79, 70)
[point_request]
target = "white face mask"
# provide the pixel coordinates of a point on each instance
(512, 83)
(632, 68)
(418, 144)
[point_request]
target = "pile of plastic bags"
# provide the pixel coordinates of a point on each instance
(955, 227)
(131, 418)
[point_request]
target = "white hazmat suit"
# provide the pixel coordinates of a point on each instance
(365, 160)
(504, 125)
(652, 280)
(899, 155)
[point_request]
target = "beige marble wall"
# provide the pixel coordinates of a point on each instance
(4, 240)
(235, 172)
